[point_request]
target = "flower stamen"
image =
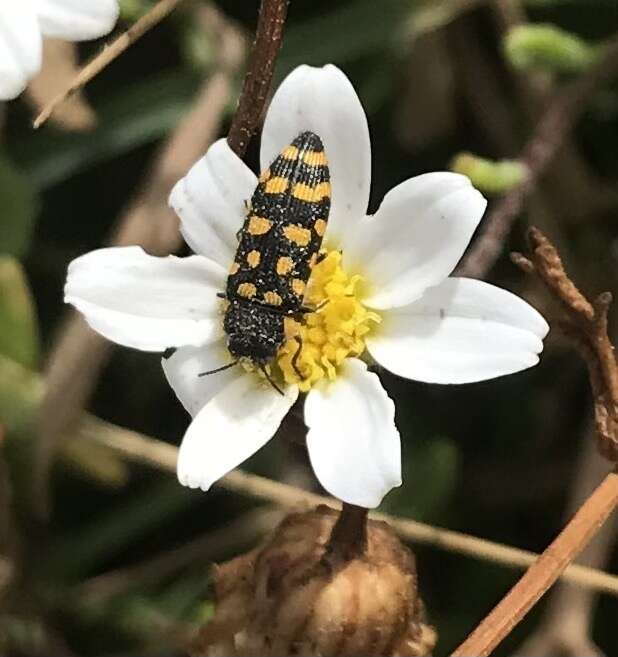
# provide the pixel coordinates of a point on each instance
(334, 331)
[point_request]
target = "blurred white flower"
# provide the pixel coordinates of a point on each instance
(24, 23)
(386, 280)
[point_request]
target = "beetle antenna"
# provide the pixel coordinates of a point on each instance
(218, 369)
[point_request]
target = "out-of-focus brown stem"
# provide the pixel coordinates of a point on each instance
(554, 125)
(268, 37)
(79, 354)
(544, 572)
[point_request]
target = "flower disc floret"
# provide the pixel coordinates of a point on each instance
(336, 330)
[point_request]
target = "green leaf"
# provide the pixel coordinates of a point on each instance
(429, 476)
(19, 338)
(19, 205)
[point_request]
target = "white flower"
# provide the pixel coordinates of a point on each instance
(385, 278)
(23, 23)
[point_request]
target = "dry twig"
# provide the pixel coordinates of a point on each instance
(537, 154)
(151, 18)
(586, 324)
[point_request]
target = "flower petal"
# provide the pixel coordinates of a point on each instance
(146, 302)
(20, 47)
(416, 237)
(230, 428)
(183, 368)
(323, 100)
(461, 331)
(210, 201)
(353, 442)
(77, 20)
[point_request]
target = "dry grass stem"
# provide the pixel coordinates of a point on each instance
(544, 572)
(109, 53)
(60, 66)
(155, 453)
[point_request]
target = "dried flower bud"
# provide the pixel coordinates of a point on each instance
(290, 597)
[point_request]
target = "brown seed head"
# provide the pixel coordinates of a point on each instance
(287, 597)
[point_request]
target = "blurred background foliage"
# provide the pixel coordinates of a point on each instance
(441, 82)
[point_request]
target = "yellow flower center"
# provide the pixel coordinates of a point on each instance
(336, 330)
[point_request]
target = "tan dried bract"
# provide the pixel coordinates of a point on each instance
(289, 597)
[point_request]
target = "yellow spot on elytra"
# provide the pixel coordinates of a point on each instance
(321, 191)
(285, 264)
(320, 227)
(313, 260)
(264, 176)
(303, 192)
(276, 185)
(336, 330)
(297, 234)
(311, 194)
(234, 268)
(272, 298)
(253, 258)
(246, 290)
(259, 225)
(315, 158)
(298, 285)
(290, 153)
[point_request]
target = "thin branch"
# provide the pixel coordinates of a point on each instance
(151, 18)
(268, 37)
(144, 450)
(537, 155)
(544, 572)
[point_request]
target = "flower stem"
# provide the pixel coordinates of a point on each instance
(544, 571)
(348, 538)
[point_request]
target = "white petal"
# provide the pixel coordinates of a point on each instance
(461, 331)
(210, 201)
(146, 302)
(230, 428)
(323, 100)
(183, 367)
(353, 442)
(20, 47)
(76, 20)
(416, 237)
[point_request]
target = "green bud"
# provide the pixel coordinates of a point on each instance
(547, 48)
(489, 176)
(131, 10)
